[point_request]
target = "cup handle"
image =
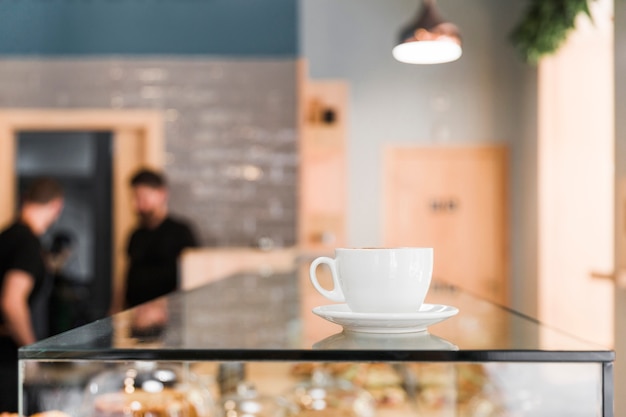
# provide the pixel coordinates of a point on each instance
(335, 294)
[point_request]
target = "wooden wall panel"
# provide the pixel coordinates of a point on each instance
(323, 172)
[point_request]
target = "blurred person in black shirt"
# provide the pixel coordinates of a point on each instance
(23, 277)
(154, 246)
(70, 299)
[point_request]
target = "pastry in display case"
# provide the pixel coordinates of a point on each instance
(381, 381)
(146, 388)
(324, 394)
(247, 401)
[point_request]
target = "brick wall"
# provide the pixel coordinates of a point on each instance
(231, 140)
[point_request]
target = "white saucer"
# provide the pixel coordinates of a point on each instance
(428, 315)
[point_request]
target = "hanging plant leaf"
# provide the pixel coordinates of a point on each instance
(545, 26)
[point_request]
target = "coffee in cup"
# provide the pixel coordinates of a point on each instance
(389, 280)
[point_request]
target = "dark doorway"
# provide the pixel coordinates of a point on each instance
(82, 162)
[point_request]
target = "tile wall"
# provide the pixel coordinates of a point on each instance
(230, 131)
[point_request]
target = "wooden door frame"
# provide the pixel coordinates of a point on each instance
(143, 128)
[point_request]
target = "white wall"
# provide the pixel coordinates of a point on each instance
(488, 95)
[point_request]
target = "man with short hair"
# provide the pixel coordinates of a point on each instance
(155, 245)
(22, 279)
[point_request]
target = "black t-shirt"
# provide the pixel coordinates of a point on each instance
(21, 249)
(153, 260)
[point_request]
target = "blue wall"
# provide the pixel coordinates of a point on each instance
(104, 27)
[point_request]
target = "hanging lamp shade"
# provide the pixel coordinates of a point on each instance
(428, 39)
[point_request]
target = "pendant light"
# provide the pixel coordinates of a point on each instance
(428, 39)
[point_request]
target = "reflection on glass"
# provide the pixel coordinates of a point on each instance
(407, 341)
(149, 321)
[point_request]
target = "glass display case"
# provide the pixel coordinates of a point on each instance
(250, 345)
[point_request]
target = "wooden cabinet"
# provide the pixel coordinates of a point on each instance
(453, 199)
(199, 266)
(323, 188)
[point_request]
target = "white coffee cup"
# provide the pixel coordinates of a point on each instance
(391, 280)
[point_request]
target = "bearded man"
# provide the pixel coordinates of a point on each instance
(155, 245)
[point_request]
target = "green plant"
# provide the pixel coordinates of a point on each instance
(545, 26)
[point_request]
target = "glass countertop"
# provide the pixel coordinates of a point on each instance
(255, 317)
